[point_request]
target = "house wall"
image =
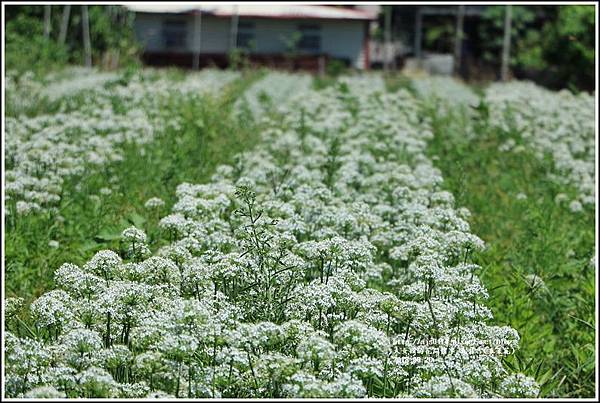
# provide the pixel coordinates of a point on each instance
(344, 39)
(148, 31)
(215, 35)
(339, 38)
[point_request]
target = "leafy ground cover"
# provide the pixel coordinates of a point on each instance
(540, 260)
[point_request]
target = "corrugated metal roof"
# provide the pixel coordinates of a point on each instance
(272, 10)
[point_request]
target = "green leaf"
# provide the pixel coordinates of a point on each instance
(136, 220)
(107, 235)
(87, 246)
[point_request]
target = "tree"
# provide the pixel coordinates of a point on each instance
(569, 44)
(32, 44)
(553, 45)
(47, 21)
(62, 35)
(85, 26)
(506, 42)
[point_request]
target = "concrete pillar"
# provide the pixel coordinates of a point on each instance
(234, 29)
(458, 40)
(197, 42)
(387, 32)
(418, 33)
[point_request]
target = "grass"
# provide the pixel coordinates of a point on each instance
(395, 81)
(528, 236)
(208, 137)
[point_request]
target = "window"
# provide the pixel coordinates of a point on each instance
(245, 35)
(310, 38)
(174, 33)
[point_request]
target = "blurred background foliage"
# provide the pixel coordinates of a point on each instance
(555, 42)
(27, 48)
(552, 45)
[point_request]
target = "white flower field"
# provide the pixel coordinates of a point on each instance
(321, 253)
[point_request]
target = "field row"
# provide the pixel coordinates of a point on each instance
(327, 260)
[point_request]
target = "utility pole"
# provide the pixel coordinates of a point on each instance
(47, 21)
(388, 37)
(460, 16)
(506, 43)
(87, 46)
(62, 35)
(234, 28)
(197, 39)
(418, 34)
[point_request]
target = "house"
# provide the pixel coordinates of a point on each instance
(277, 35)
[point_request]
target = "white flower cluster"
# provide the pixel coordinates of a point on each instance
(204, 82)
(43, 151)
(360, 85)
(271, 91)
(558, 124)
(154, 203)
(445, 91)
(148, 89)
(328, 262)
(451, 100)
(22, 91)
(74, 80)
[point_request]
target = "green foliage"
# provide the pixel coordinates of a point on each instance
(320, 82)
(208, 137)
(440, 36)
(569, 45)
(493, 26)
(291, 43)
(335, 68)
(396, 81)
(28, 49)
(557, 40)
(111, 30)
(111, 36)
(239, 59)
(525, 237)
(575, 22)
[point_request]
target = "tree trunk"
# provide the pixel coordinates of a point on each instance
(506, 44)
(87, 46)
(460, 17)
(62, 35)
(47, 21)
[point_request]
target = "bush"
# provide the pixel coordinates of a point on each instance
(28, 49)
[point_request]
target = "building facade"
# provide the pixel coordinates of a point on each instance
(275, 35)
